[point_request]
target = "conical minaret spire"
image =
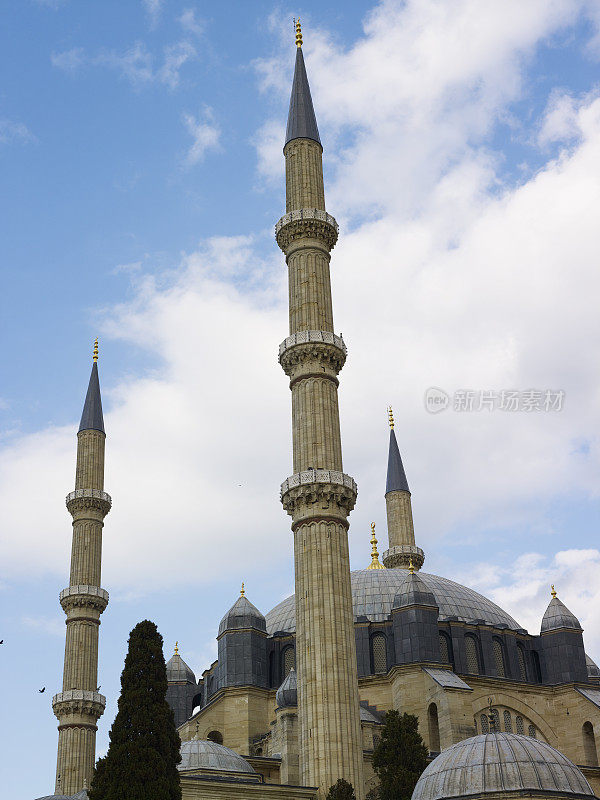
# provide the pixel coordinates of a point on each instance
(319, 495)
(79, 705)
(403, 551)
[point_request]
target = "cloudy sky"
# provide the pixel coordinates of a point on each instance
(142, 174)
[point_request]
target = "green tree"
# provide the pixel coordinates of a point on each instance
(141, 762)
(341, 790)
(399, 757)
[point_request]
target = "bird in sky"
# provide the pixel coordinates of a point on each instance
(42, 690)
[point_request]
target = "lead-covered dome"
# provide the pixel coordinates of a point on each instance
(373, 593)
(81, 795)
(501, 762)
(178, 671)
(204, 754)
(242, 614)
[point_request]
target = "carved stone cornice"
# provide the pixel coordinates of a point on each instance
(82, 500)
(322, 347)
(401, 556)
(318, 493)
(306, 223)
(83, 596)
(78, 702)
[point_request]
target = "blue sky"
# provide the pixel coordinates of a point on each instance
(140, 150)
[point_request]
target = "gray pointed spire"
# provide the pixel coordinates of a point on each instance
(92, 418)
(302, 123)
(396, 477)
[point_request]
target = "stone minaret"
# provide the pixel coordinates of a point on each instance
(403, 551)
(79, 705)
(319, 495)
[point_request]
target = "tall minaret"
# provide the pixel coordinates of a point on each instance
(79, 705)
(403, 551)
(318, 496)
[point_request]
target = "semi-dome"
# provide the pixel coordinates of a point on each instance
(500, 762)
(242, 614)
(204, 754)
(373, 593)
(287, 694)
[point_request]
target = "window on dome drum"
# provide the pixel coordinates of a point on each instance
(379, 653)
(446, 649)
(531, 731)
(472, 654)
(434, 729)
(507, 722)
(498, 650)
(521, 659)
(589, 745)
(520, 726)
(496, 716)
(288, 660)
(485, 723)
(537, 670)
(215, 736)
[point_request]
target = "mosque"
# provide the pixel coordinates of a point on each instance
(296, 697)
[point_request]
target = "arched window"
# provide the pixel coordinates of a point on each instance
(537, 670)
(498, 649)
(589, 745)
(521, 659)
(507, 722)
(531, 731)
(485, 723)
(496, 716)
(472, 647)
(520, 726)
(288, 660)
(378, 653)
(215, 736)
(446, 649)
(434, 729)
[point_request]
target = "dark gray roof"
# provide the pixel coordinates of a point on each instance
(287, 694)
(592, 667)
(302, 123)
(242, 614)
(558, 616)
(373, 592)
(82, 795)
(446, 678)
(92, 419)
(204, 754)
(396, 477)
(178, 670)
(414, 591)
(500, 762)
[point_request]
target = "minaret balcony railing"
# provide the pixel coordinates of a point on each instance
(97, 493)
(306, 222)
(78, 702)
(305, 337)
(82, 500)
(308, 214)
(83, 595)
(311, 476)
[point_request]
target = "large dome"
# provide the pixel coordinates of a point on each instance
(373, 592)
(500, 762)
(204, 754)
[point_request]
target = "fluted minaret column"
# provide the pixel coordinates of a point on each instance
(403, 552)
(318, 496)
(79, 705)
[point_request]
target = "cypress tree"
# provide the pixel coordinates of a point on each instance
(341, 790)
(399, 757)
(141, 762)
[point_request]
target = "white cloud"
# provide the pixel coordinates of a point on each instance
(175, 56)
(191, 23)
(14, 132)
(54, 626)
(205, 133)
(69, 60)
(153, 9)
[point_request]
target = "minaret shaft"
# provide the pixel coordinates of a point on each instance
(318, 496)
(79, 705)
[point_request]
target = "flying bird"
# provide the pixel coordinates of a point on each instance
(1, 641)
(98, 688)
(42, 690)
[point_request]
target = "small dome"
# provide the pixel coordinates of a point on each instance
(414, 591)
(178, 670)
(287, 694)
(242, 614)
(204, 754)
(593, 670)
(558, 616)
(500, 762)
(81, 795)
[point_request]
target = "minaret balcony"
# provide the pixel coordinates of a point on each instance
(83, 596)
(78, 703)
(322, 347)
(323, 489)
(88, 499)
(306, 223)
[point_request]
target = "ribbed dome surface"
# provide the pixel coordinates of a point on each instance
(500, 762)
(414, 591)
(373, 592)
(558, 616)
(204, 754)
(287, 694)
(242, 614)
(82, 795)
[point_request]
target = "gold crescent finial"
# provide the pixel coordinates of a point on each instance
(375, 564)
(391, 417)
(176, 648)
(242, 590)
(298, 29)
(553, 592)
(411, 566)
(96, 350)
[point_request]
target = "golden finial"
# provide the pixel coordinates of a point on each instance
(298, 30)
(176, 648)
(553, 592)
(242, 590)
(411, 566)
(391, 417)
(374, 554)
(96, 350)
